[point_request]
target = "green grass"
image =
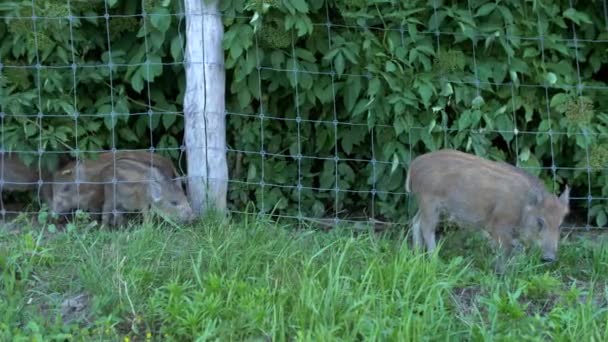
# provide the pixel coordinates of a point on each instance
(257, 281)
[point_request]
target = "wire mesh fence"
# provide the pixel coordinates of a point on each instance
(319, 127)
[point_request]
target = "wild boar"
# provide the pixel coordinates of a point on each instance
(67, 196)
(139, 187)
(508, 202)
(76, 186)
(18, 177)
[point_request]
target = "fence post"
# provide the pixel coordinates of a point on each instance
(204, 107)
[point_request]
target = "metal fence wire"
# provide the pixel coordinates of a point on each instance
(253, 170)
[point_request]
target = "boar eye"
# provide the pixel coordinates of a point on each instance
(541, 223)
(174, 203)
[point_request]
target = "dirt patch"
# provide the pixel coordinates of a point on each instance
(540, 306)
(76, 308)
(466, 298)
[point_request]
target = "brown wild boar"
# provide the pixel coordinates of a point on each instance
(16, 176)
(140, 187)
(505, 200)
(67, 196)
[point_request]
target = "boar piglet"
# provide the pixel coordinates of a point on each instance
(508, 202)
(135, 186)
(77, 186)
(89, 196)
(16, 176)
(162, 163)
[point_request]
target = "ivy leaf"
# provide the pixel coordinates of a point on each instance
(251, 173)
(153, 121)
(168, 119)
(485, 9)
(137, 82)
(531, 165)
(177, 51)
(347, 144)
(128, 134)
(504, 124)
(152, 68)
(339, 64)
(464, 121)
(577, 16)
(160, 18)
(374, 86)
(601, 218)
(477, 102)
(110, 121)
(524, 155)
(306, 55)
(425, 91)
(558, 100)
(67, 107)
(299, 5)
(244, 98)
(277, 58)
(395, 163)
(353, 88)
(551, 78)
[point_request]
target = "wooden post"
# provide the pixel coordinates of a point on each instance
(204, 107)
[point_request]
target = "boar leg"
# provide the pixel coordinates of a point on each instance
(119, 219)
(108, 207)
(416, 232)
(109, 219)
(503, 243)
(107, 213)
(429, 216)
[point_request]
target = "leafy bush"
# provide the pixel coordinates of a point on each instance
(87, 76)
(503, 80)
(328, 101)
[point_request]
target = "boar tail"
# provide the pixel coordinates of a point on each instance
(407, 181)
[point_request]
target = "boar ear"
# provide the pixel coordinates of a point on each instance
(565, 196)
(80, 172)
(156, 185)
(155, 190)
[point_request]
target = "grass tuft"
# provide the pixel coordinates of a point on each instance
(256, 280)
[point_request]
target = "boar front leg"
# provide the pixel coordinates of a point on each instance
(108, 217)
(108, 205)
(502, 235)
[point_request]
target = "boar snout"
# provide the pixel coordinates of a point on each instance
(187, 216)
(548, 258)
(169, 198)
(549, 249)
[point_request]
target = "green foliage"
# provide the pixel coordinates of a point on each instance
(411, 77)
(499, 79)
(117, 79)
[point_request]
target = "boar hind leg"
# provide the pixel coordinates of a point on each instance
(427, 221)
(108, 218)
(416, 231)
